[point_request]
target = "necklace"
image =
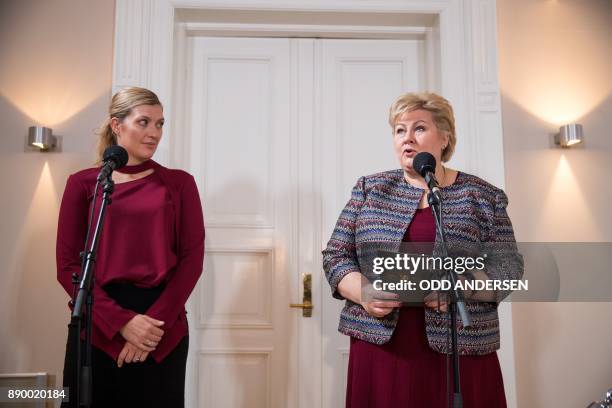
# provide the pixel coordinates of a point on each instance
(443, 181)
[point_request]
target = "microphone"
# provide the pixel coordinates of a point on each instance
(114, 158)
(425, 164)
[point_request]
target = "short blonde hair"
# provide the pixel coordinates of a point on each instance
(121, 106)
(441, 112)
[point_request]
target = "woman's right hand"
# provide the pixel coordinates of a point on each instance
(376, 302)
(379, 308)
(143, 331)
(130, 353)
(379, 303)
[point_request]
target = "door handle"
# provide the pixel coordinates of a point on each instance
(306, 304)
(302, 305)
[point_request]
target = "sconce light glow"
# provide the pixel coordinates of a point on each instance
(41, 137)
(569, 135)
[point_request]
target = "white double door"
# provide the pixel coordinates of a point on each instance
(279, 131)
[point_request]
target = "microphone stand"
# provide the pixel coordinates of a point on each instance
(84, 384)
(456, 298)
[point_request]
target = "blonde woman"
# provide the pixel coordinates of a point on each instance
(149, 259)
(397, 353)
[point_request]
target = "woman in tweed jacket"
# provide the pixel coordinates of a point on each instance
(397, 355)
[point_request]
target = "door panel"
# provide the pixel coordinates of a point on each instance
(241, 328)
(280, 129)
(360, 80)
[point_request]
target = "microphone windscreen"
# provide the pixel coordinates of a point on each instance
(423, 163)
(116, 154)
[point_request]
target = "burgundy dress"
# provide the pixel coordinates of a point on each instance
(406, 372)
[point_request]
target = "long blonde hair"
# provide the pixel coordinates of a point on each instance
(121, 106)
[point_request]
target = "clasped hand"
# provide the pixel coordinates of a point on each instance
(142, 334)
(381, 303)
(437, 301)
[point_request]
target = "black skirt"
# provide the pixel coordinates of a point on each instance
(146, 383)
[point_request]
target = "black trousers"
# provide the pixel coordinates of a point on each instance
(142, 384)
(145, 384)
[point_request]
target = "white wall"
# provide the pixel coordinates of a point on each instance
(55, 71)
(555, 68)
(555, 64)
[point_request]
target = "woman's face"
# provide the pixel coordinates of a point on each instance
(416, 132)
(140, 132)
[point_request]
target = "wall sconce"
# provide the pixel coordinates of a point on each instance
(42, 138)
(569, 135)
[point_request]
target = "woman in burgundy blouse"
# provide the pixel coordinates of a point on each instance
(149, 259)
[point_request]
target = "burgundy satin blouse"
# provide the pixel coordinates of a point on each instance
(153, 234)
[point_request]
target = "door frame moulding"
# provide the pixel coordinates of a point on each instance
(145, 51)
(150, 41)
(302, 30)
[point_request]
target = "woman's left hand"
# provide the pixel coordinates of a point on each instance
(437, 301)
(131, 353)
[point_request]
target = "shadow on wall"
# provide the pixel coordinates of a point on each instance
(54, 55)
(33, 303)
(558, 194)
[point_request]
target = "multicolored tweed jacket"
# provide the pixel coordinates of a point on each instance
(380, 209)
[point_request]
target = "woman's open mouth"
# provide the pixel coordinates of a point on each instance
(410, 152)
